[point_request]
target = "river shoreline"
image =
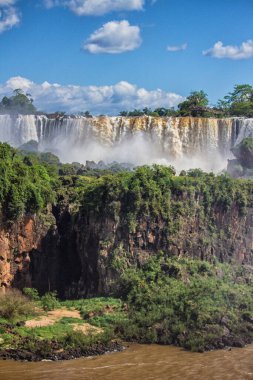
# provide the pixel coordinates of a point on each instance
(57, 353)
(140, 362)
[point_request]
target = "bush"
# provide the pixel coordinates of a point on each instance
(189, 309)
(15, 306)
(49, 301)
(78, 339)
(31, 293)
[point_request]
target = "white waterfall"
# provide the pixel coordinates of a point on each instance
(183, 142)
(245, 129)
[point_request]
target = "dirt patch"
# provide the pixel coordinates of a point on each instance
(86, 328)
(56, 315)
(52, 317)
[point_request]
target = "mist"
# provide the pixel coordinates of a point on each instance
(137, 150)
(184, 143)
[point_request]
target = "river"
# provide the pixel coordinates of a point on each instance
(140, 362)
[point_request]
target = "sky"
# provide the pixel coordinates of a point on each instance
(110, 55)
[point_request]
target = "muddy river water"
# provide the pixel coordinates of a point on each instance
(140, 362)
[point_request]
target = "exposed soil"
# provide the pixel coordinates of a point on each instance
(52, 317)
(86, 328)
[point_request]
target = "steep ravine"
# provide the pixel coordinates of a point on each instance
(74, 252)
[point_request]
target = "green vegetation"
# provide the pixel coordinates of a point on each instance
(103, 312)
(14, 305)
(31, 293)
(25, 186)
(190, 303)
(163, 299)
(195, 104)
(49, 301)
(236, 103)
(149, 112)
(239, 102)
(18, 103)
(58, 340)
(156, 193)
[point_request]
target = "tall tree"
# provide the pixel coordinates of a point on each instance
(194, 105)
(19, 102)
(238, 102)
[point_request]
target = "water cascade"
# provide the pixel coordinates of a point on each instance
(184, 142)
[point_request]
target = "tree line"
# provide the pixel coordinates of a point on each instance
(239, 102)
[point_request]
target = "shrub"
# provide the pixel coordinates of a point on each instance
(14, 305)
(49, 301)
(74, 339)
(31, 293)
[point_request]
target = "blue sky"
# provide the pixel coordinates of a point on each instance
(68, 43)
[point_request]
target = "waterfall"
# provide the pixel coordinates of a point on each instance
(245, 129)
(184, 142)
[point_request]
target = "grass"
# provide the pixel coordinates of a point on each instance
(62, 330)
(93, 304)
(55, 331)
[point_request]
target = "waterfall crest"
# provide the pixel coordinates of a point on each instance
(185, 142)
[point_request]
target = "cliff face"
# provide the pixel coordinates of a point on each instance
(17, 241)
(106, 248)
(82, 254)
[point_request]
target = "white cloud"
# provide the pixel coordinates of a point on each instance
(96, 7)
(9, 15)
(219, 50)
(177, 48)
(98, 100)
(7, 3)
(114, 37)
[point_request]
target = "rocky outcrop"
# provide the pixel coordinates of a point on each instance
(17, 241)
(242, 166)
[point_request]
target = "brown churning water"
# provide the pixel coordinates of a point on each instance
(140, 362)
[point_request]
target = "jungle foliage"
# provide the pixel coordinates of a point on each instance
(158, 194)
(26, 186)
(189, 303)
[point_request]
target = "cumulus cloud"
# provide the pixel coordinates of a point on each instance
(219, 50)
(9, 15)
(96, 7)
(98, 100)
(114, 37)
(177, 48)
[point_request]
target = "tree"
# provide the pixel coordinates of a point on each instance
(196, 104)
(165, 111)
(238, 102)
(18, 103)
(123, 113)
(85, 114)
(136, 112)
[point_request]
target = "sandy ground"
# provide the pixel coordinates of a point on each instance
(56, 315)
